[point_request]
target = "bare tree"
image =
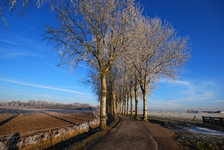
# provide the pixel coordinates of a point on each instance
(12, 5)
(127, 89)
(136, 95)
(93, 32)
(159, 54)
(22, 5)
(129, 81)
(113, 75)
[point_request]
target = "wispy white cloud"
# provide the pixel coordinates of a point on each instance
(9, 42)
(191, 91)
(163, 80)
(10, 55)
(188, 93)
(9, 89)
(165, 104)
(179, 82)
(32, 43)
(44, 96)
(65, 72)
(187, 83)
(23, 24)
(161, 105)
(40, 86)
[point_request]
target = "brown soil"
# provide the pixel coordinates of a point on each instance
(20, 122)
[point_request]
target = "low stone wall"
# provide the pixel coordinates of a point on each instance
(16, 140)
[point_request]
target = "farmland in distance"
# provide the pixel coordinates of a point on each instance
(26, 120)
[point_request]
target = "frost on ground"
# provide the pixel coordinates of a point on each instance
(204, 131)
(188, 119)
(180, 116)
(200, 141)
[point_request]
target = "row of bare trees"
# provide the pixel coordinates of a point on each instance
(148, 52)
(125, 52)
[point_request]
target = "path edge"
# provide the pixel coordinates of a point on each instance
(87, 143)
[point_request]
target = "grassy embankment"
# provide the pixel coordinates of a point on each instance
(74, 139)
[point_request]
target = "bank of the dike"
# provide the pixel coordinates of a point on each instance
(86, 139)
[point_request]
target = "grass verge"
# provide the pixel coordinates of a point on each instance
(89, 141)
(72, 140)
(44, 144)
(62, 138)
(199, 142)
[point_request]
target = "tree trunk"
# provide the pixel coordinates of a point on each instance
(119, 105)
(110, 102)
(108, 107)
(113, 102)
(127, 103)
(136, 109)
(120, 102)
(144, 105)
(123, 107)
(116, 104)
(103, 124)
(136, 101)
(131, 98)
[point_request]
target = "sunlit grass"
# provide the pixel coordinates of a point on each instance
(55, 140)
(43, 144)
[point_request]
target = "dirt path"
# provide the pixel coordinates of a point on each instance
(134, 134)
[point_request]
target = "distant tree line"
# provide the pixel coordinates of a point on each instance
(41, 104)
(192, 111)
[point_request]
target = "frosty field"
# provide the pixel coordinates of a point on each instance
(26, 120)
(180, 116)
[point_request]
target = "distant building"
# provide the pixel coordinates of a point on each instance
(221, 112)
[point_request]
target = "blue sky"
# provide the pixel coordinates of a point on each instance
(28, 67)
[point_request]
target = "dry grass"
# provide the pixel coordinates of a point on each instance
(94, 126)
(53, 141)
(95, 136)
